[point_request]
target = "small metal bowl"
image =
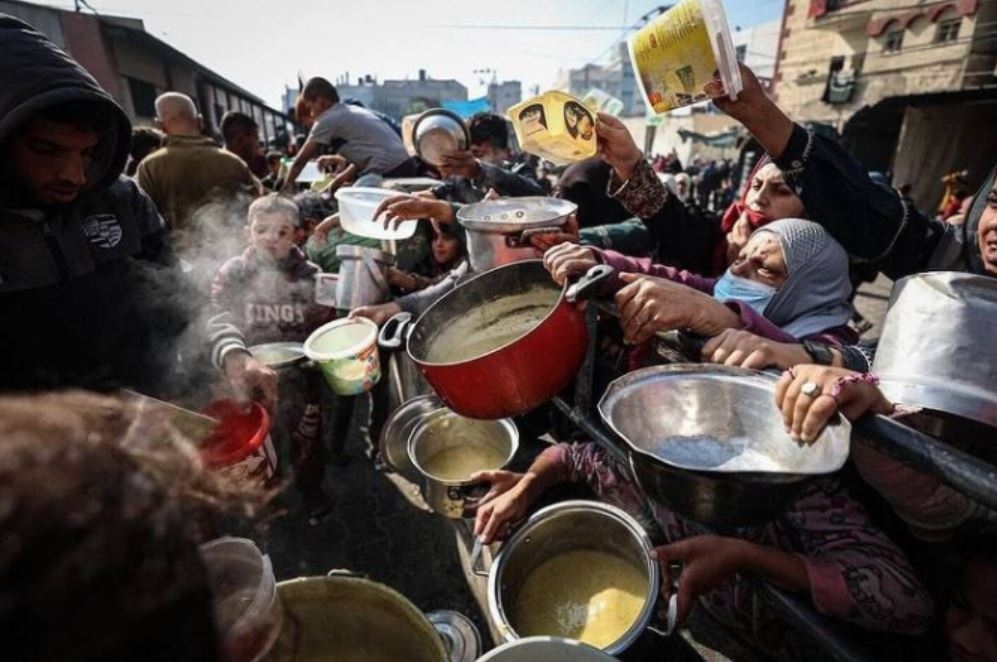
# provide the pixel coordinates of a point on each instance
(278, 355)
(437, 133)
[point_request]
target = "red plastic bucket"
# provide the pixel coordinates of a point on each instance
(240, 444)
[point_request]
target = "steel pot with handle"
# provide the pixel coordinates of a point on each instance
(499, 231)
(498, 345)
(557, 533)
(362, 276)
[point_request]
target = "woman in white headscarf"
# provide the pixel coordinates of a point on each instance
(789, 283)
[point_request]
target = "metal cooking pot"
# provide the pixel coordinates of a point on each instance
(708, 442)
(509, 380)
(344, 613)
(437, 133)
(564, 527)
(936, 350)
(548, 649)
(499, 231)
(362, 276)
(442, 429)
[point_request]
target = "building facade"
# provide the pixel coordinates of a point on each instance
(398, 98)
(895, 76)
(135, 67)
(504, 95)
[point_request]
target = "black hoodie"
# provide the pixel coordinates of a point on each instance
(90, 292)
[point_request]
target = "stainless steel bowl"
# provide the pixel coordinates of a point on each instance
(278, 355)
(438, 132)
(936, 349)
(398, 429)
(709, 443)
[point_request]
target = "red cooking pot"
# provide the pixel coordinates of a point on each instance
(498, 345)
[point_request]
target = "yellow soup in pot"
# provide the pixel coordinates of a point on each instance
(587, 595)
(459, 462)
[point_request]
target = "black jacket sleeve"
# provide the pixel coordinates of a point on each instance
(871, 221)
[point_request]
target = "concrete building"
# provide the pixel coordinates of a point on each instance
(135, 67)
(504, 95)
(910, 85)
(398, 98)
(758, 47)
(615, 79)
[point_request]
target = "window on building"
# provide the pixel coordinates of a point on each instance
(948, 30)
(143, 97)
(894, 41)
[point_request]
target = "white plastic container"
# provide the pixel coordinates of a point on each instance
(677, 53)
(248, 612)
(357, 205)
(346, 352)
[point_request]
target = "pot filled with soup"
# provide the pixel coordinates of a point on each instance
(447, 449)
(498, 345)
(579, 570)
(347, 618)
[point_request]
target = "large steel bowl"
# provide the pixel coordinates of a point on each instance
(936, 349)
(709, 443)
(438, 132)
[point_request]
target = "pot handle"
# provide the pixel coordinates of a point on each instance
(476, 557)
(523, 238)
(688, 343)
(395, 331)
(375, 272)
(592, 284)
(667, 615)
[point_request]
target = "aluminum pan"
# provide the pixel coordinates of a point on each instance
(515, 214)
(715, 419)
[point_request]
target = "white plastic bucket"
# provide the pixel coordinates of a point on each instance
(248, 612)
(325, 289)
(357, 205)
(346, 352)
(677, 53)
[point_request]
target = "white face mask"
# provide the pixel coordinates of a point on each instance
(753, 294)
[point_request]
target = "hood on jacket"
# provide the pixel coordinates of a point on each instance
(35, 74)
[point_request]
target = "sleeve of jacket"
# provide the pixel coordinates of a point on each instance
(871, 221)
(417, 302)
(155, 243)
(508, 184)
(645, 266)
(224, 334)
(630, 237)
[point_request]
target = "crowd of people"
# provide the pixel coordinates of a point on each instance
(152, 259)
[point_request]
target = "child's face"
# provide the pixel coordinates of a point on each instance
(272, 235)
(445, 249)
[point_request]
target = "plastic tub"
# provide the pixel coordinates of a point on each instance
(346, 352)
(248, 613)
(555, 126)
(677, 53)
(357, 205)
(240, 444)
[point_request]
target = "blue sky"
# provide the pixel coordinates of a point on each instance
(263, 45)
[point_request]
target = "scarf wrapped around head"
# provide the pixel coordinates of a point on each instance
(814, 297)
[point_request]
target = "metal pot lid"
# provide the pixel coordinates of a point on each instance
(398, 428)
(515, 214)
(460, 635)
(279, 355)
(438, 132)
(715, 419)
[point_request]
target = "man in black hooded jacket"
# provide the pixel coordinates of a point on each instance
(91, 294)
